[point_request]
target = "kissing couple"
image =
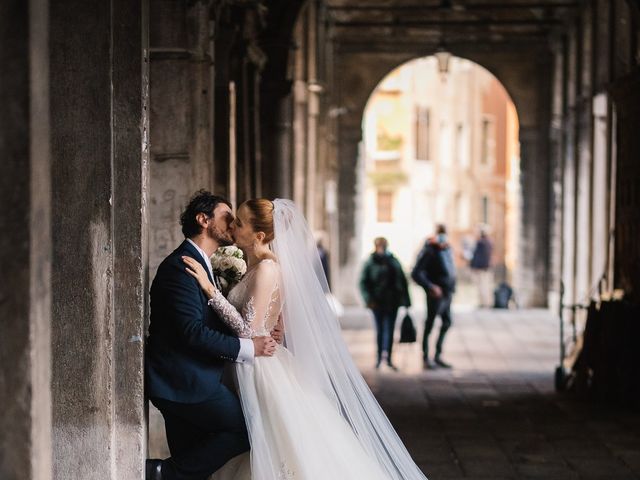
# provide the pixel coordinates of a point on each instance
(302, 409)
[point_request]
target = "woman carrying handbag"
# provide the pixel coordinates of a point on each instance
(384, 289)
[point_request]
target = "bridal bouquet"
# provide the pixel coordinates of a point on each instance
(229, 265)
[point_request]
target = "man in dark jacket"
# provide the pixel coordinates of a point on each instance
(435, 272)
(384, 289)
(187, 348)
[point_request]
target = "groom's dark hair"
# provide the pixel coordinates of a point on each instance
(201, 202)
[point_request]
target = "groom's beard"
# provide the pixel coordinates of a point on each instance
(224, 239)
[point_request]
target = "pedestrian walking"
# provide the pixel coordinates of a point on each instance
(384, 289)
(435, 272)
(481, 266)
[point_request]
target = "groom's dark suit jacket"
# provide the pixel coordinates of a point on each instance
(188, 344)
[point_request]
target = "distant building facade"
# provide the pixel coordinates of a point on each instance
(441, 149)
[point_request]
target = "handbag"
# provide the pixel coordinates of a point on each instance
(407, 329)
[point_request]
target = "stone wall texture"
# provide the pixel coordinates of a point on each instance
(25, 244)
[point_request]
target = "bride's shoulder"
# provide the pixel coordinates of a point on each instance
(268, 265)
(265, 272)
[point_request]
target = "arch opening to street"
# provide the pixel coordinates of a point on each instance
(440, 146)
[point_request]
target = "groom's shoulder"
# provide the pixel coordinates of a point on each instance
(173, 261)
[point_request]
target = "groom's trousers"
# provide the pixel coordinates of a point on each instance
(203, 436)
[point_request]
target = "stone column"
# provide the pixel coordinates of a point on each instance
(349, 137)
(534, 239)
(569, 169)
(599, 203)
(277, 138)
(568, 207)
(25, 243)
(98, 95)
(314, 185)
(248, 168)
(556, 159)
(181, 76)
(627, 201)
(243, 131)
(223, 42)
(181, 133)
(299, 110)
(248, 60)
(582, 110)
(278, 43)
(129, 197)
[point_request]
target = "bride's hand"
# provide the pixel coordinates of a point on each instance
(198, 272)
(278, 331)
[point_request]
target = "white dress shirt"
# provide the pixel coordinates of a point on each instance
(247, 351)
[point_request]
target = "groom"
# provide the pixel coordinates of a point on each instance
(187, 348)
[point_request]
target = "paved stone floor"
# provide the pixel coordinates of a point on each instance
(496, 415)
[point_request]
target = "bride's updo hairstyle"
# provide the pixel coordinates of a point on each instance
(261, 211)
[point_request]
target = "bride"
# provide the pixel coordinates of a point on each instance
(309, 412)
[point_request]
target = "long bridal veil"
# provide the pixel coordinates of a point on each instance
(313, 336)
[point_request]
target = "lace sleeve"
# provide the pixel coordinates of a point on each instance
(262, 307)
(240, 325)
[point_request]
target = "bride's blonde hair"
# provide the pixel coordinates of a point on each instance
(261, 210)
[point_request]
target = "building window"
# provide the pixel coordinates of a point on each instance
(422, 133)
(385, 206)
(488, 141)
(460, 150)
(485, 209)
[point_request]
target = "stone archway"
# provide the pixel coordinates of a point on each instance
(529, 87)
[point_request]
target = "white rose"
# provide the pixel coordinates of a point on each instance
(231, 251)
(239, 265)
(225, 263)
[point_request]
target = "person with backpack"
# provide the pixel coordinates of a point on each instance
(436, 273)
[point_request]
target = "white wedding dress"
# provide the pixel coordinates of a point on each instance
(295, 430)
(309, 413)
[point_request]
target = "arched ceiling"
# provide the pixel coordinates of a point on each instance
(511, 38)
(393, 24)
(517, 74)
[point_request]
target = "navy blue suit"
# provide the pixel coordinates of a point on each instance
(187, 348)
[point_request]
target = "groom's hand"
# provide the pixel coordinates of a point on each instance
(264, 346)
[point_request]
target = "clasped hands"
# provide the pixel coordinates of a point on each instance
(266, 346)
